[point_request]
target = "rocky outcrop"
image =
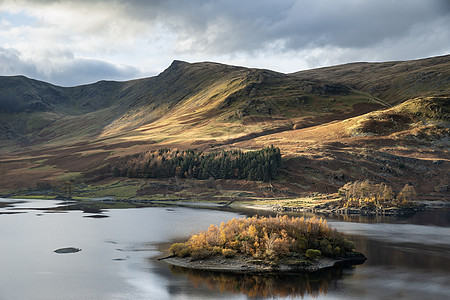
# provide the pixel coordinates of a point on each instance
(67, 250)
(334, 209)
(246, 265)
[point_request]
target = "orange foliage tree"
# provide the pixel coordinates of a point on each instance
(366, 193)
(265, 238)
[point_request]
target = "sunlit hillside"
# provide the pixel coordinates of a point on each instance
(387, 122)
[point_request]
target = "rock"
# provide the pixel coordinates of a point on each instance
(96, 216)
(247, 265)
(67, 250)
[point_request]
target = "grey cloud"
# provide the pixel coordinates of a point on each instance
(358, 24)
(11, 64)
(75, 72)
(82, 71)
(224, 26)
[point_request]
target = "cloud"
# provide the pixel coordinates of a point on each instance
(224, 26)
(53, 36)
(65, 72)
(287, 35)
(84, 70)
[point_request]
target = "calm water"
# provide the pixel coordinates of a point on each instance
(408, 258)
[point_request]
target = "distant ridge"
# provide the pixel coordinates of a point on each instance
(393, 81)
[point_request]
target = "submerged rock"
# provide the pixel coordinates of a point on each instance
(67, 250)
(97, 216)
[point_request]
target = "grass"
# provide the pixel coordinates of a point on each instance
(293, 202)
(119, 189)
(41, 161)
(119, 192)
(39, 197)
(68, 176)
(42, 168)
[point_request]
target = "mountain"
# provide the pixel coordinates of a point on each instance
(388, 122)
(184, 93)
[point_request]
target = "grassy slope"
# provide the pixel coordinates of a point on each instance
(409, 147)
(392, 82)
(319, 122)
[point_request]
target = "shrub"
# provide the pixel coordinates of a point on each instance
(337, 251)
(217, 250)
(405, 196)
(313, 253)
(325, 247)
(300, 244)
(198, 254)
(228, 253)
(176, 248)
(348, 245)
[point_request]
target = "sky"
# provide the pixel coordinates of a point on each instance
(74, 42)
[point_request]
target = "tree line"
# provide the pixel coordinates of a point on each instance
(259, 165)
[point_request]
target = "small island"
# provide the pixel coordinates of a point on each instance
(266, 245)
(67, 250)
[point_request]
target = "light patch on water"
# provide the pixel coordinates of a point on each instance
(398, 233)
(146, 285)
(399, 283)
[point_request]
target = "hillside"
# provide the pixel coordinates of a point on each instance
(384, 121)
(393, 82)
(185, 94)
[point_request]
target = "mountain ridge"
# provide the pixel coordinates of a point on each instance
(432, 75)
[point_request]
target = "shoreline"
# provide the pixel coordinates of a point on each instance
(328, 208)
(246, 265)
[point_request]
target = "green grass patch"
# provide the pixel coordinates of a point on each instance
(37, 197)
(42, 168)
(69, 176)
(125, 191)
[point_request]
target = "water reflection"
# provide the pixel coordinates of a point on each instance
(412, 255)
(265, 286)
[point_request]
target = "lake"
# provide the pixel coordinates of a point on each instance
(408, 258)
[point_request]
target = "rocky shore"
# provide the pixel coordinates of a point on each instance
(246, 265)
(337, 210)
(333, 208)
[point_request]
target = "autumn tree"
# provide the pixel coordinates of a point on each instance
(366, 193)
(265, 238)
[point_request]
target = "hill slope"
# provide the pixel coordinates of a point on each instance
(34, 112)
(393, 82)
(383, 121)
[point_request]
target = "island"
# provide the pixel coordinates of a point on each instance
(266, 245)
(67, 250)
